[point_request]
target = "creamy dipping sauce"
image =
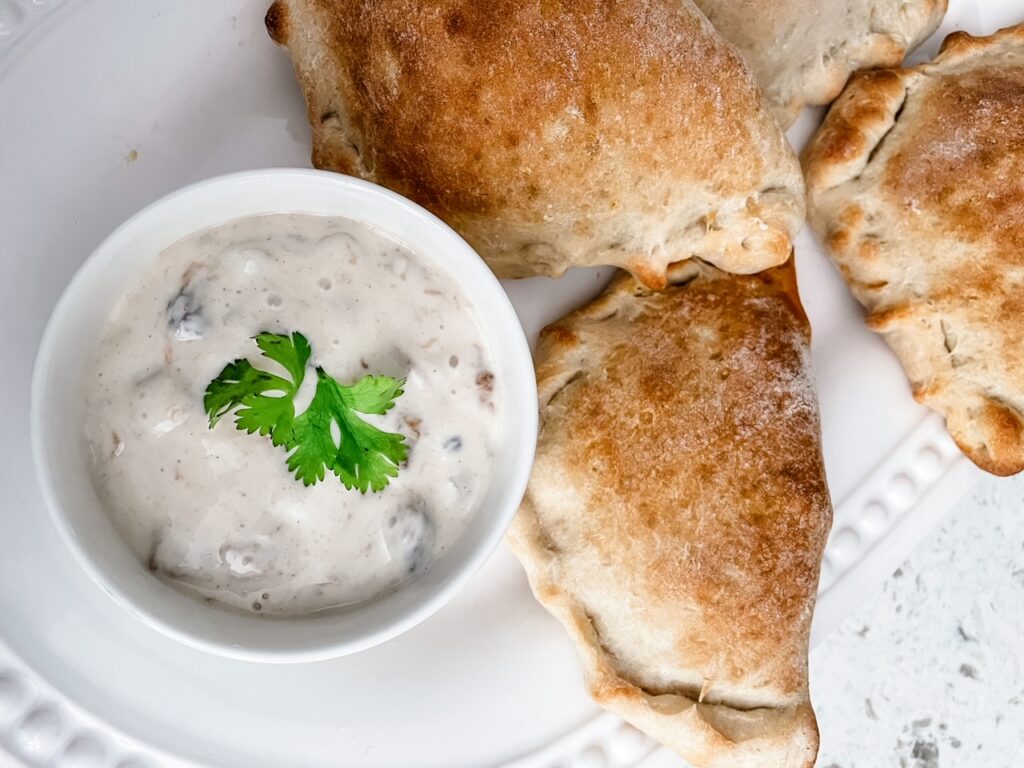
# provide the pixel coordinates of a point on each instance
(216, 511)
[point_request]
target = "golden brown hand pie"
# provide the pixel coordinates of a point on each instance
(802, 51)
(552, 133)
(916, 186)
(677, 511)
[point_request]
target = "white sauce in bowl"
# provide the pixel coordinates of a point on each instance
(216, 512)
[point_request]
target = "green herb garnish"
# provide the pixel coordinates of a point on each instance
(362, 456)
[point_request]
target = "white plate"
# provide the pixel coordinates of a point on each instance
(107, 105)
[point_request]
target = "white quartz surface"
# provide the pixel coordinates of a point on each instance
(929, 673)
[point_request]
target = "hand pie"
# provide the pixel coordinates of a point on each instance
(552, 133)
(916, 184)
(677, 511)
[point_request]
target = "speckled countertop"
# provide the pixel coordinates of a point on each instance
(929, 673)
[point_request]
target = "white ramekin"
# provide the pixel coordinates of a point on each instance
(62, 457)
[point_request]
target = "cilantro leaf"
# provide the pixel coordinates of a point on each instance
(267, 415)
(328, 436)
(235, 384)
(244, 389)
(292, 353)
(372, 394)
(363, 457)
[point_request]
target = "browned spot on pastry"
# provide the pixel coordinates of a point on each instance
(277, 22)
(961, 167)
(455, 22)
(923, 393)
(651, 276)
(557, 335)
(845, 140)
(957, 41)
(845, 228)
(839, 239)
(885, 320)
(869, 249)
(1003, 449)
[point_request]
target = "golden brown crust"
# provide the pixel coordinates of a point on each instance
(277, 22)
(803, 51)
(677, 510)
(858, 120)
(552, 133)
(916, 186)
